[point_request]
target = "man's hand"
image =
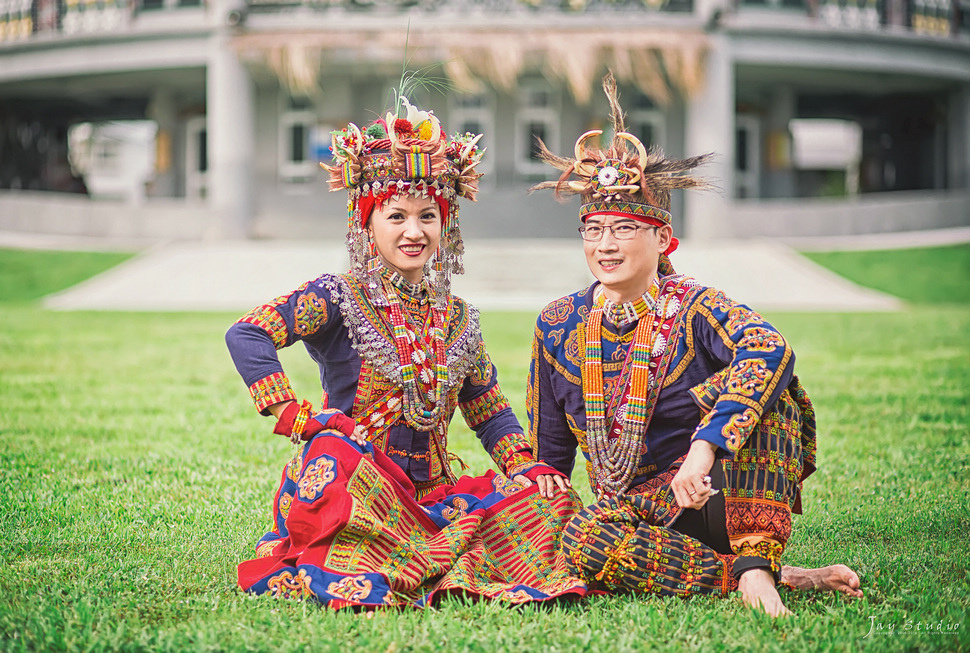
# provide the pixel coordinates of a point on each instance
(358, 435)
(548, 483)
(692, 483)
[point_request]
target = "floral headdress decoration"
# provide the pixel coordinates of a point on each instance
(405, 153)
(624, 178)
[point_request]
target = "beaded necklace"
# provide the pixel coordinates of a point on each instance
(615, 460)
(627, 312)
(423, 380)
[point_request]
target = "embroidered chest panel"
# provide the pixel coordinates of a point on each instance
(373, 338)
(563, 325)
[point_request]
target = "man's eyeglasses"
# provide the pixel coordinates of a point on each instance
(619, 231)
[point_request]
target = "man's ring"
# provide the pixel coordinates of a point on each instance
(692, 493)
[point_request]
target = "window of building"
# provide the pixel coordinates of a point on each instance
(963, 17)
(155, 5)
(747, 157)
(297, 121)
(474, 113)
(801, 5)
(196, 158)
(645, 121)
(536, 118)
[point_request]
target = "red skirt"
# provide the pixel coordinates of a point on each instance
(349, 533)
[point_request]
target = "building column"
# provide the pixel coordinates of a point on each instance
(162, 110)
(958, 165)
(230, 132)
(710, 128)
(780, 176)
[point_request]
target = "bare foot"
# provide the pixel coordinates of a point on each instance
(758, 591)
(834, 578)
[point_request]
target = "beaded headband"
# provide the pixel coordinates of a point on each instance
(407, 155)
(642, 212)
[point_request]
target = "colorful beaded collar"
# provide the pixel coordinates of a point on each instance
(628, 312)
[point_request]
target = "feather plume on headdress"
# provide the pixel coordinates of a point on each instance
(624, 178)
(616, 173)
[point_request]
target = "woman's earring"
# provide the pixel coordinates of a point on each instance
(373, 261)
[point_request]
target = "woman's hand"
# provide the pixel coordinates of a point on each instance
(277, 409)
(692, 483)
(334, 420)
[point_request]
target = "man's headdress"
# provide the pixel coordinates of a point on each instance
(624, 178)
(405, 153)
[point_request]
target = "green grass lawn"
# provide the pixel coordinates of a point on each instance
(135, 475)
(29, 275)
(935, 275)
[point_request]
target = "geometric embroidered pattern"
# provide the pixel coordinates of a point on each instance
(483, 407)
(316, 477)
(363, 541)
(628, 208)
(512, 452)
(351, 588)
(285, 585)
(749, 516)
(738, 427)
(749, 377)
(273, 389)
(269, 320)
(616, 547)
(310, 315)
(765, 550)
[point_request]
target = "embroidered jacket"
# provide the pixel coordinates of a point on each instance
(349, 338)
(715, 369)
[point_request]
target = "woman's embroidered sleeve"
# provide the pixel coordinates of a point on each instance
(759, 364)
(255, 338)
(487, 412)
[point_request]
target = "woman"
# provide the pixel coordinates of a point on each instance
(368, 512)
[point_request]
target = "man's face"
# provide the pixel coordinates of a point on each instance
(625, 264)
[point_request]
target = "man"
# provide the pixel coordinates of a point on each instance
(696, 431)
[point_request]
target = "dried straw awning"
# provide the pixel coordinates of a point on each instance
(664, 64)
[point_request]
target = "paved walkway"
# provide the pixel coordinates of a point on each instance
(502, 274)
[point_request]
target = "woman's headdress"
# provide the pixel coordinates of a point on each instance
(405, 153)
(623, 178)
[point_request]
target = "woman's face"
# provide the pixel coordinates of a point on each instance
(406, 231)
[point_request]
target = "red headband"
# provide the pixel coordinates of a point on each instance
(368, 203)
(654, 222)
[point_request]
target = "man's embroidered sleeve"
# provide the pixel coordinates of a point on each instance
(255, 338)
(759, 364)
(553, 441)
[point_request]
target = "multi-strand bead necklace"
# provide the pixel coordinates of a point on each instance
(615, 460)
(424, 378)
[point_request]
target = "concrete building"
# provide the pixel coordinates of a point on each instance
(828, 116)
